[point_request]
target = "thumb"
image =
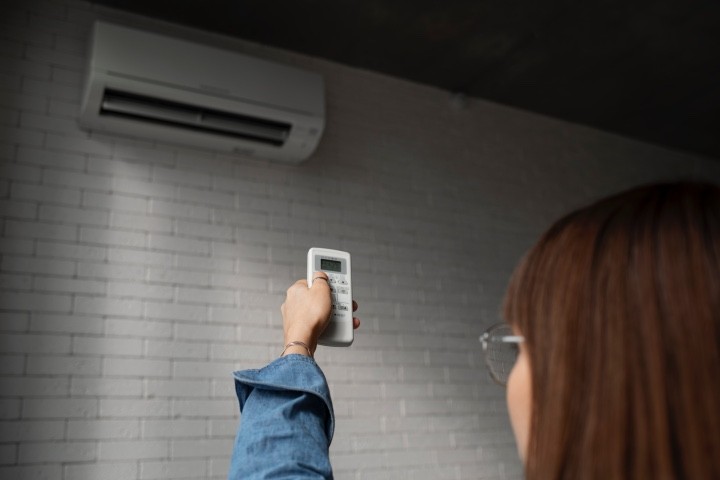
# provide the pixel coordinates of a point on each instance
(319, 278)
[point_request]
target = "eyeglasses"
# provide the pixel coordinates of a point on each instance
(501, 348)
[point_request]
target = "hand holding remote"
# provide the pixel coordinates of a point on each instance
(306, 311)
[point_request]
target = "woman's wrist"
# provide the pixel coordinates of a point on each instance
(297, 347)
(303, 335)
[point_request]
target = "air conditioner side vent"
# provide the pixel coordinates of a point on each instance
(116, 103)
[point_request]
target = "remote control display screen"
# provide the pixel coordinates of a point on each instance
(330, 265)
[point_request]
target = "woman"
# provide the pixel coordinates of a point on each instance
(616, 311)
(619, 372)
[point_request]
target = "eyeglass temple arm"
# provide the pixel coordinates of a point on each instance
(511, 339)
(502, 338)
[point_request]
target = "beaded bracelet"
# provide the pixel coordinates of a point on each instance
(302, 344)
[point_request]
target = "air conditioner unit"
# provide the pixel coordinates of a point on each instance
(152, 86)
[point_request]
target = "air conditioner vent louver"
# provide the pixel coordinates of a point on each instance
(153, 110)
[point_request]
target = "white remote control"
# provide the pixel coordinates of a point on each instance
(336, 264)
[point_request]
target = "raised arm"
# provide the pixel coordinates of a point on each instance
(287, 420)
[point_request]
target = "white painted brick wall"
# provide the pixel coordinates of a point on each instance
(136, 275)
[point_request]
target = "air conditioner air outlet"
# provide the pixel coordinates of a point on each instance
(191, 117)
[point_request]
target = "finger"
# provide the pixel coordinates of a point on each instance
(355, 305)
(356, 323)
(319, 276)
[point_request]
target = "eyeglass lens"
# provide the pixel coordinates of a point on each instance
(500, 355)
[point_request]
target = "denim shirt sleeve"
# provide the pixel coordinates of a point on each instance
(286, 423)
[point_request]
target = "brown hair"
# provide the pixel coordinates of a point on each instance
(619, 303)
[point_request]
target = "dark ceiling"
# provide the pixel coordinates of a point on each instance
(646, 69)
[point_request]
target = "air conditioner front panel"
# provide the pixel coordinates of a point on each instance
(172, 61)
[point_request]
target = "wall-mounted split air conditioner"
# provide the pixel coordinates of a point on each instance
(152, 86)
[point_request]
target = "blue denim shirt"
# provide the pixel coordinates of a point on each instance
(286, 423)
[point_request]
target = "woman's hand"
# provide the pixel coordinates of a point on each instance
(306, 313)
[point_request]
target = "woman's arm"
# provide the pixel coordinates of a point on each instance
(287, 420)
